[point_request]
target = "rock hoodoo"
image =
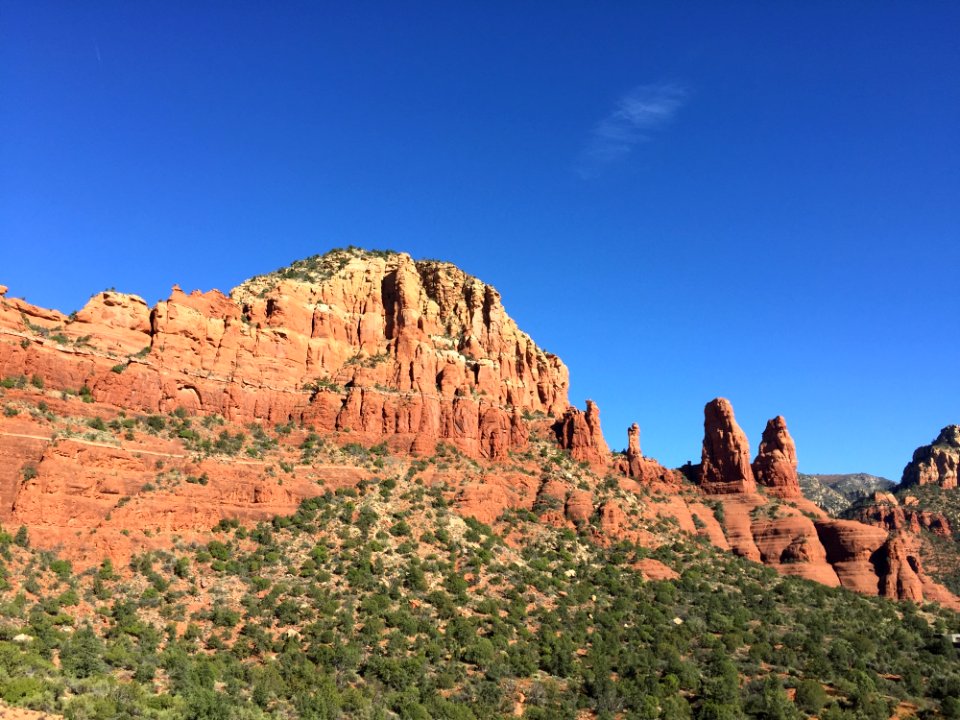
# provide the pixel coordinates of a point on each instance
(725, 461)
(775, 467)
(937, 463)
(643, 469)
(580, 433)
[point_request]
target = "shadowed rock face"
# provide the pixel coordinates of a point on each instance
(937, 463)
(884, 510)
(580, 433)
(725, 460)
(775, 467)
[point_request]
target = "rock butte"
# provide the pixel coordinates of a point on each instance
(376, 347)
(936, 463)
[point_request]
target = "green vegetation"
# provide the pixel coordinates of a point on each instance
(355, 607)
(317, 268)
(942, 554)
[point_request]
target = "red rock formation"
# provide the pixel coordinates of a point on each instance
(380, 346)
(20, 453)
(655, 570)
(643, 469)
(883, 510)
(580, 433)
(898, 565)
(937, 463)
(725, 465)
(850, 546)
(633, 449)
(370, 348)
(775, 467)
(95, 500)
(120, 323)
(487, 499)
(791, 545)
(578, 507)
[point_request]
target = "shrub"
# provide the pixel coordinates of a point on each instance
(811, 697)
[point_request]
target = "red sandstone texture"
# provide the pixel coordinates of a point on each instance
(937, 463)
(381, 347)
(884, 510)
(775, 467)
(368, 349)
(725, 460)
(580, 433)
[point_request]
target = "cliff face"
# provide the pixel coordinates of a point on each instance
(373, 350)
(580, 433)
(375, 345)
(937, 463)
(884, 510)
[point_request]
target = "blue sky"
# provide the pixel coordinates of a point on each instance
(683, 200)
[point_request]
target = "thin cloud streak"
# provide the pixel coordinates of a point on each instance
(639, 111)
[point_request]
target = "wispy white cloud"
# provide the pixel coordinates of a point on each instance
(637, 113)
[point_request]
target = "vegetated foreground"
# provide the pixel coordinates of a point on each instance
(410, 521)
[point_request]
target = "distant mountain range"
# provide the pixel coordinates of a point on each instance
(837, 492)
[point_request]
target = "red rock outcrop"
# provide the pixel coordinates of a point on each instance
(884, 510)
(898, 566)
(375, 345)
(119, 322)
(775, 467)
(580, 433)
(492, 494)
(95, 500)
(725, 460)
(791, 545)
(643, 469)
(937, 463)
(850, 546)
(371, 348)
(633, 450)
(655, 570)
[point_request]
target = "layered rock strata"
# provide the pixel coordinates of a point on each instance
(580, 433)
(775, 467)
(936, 463)
(372, 345)
(725, 460)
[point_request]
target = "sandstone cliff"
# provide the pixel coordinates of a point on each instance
(937, 463)
(371, 344)
(363, 350)
(580, 433)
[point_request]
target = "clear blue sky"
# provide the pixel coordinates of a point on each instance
(682, 200)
